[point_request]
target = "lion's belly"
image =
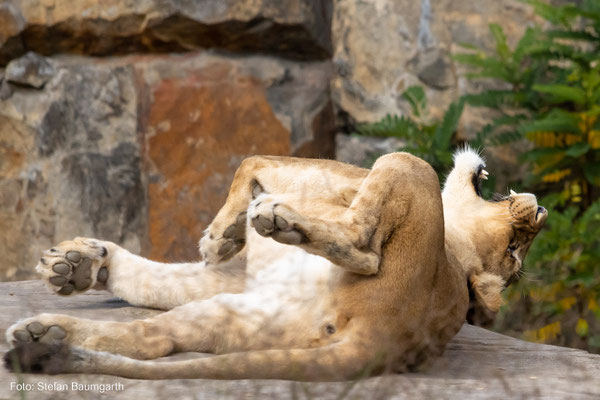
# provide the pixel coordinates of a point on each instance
(287, 289)
(271, 263)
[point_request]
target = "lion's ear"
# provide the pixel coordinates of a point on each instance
(488, 290)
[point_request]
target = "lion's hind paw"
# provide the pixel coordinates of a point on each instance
(277, 220)
(32, 330)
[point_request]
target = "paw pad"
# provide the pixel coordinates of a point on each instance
(231, 241)
(69, 270)
(267, 222)
(36, 332)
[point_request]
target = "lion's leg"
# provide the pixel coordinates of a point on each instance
(135, 339)
(224, 323)
(286, 219)
(77, 265)
(345, 360)
(226, 235)
(351, 237)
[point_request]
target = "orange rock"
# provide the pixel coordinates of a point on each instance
(201, 126)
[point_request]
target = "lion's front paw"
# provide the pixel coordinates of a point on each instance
(218, 246)
(277, 220)
(75, 266)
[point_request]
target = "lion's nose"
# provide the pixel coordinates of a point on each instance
(541, 209)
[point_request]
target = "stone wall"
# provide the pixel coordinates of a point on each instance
(139, 147)
(381, 47)
(125, 120)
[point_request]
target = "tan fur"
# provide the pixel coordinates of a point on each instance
(313, 269)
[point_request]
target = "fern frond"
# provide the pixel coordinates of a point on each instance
(390, 125)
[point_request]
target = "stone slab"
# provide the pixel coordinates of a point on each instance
(478, 364)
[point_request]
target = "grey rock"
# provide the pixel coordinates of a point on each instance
(477, 364)
(434, 68)
(383, 47)
(298, 29)
(30, 70)
(301, 100)
(372, 41)
(5, 89)
(362, 151)
(75, 164)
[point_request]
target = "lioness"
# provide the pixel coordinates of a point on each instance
(313, 270)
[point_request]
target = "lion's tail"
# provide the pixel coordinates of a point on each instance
(338, 361)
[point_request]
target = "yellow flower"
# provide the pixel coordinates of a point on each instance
(544, 334)
(593, 305)
(556, 176)
(594, 139)
(567, 303)
(545, 293)
(582, 327)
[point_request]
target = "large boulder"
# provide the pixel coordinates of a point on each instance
(203, 115)
(142, 150)
(70, 164)
(382, 47)
(293, 28)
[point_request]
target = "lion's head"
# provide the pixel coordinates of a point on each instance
(488, 238)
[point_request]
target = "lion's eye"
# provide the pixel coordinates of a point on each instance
(510, 251)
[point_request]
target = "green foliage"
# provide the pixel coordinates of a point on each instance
(552, 99)
(430, 140)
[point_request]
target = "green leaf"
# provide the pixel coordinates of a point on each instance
(528, 42)
(555, 121)
(572, 35)
(501, 45)
(555, 15)
(489, 67)
(578, 149)
(494, 98)
(401, 127)
(562, 93)
(535, 154)
(468, 46)
(415, 95)
(592, 173)
(444, 131)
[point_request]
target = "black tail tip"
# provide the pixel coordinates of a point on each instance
(37, 358)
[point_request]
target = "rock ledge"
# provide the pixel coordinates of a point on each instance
(478, 364)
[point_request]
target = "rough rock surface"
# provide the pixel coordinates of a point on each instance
(292, 28)
(362, 151)
(70, 163)
(382, 47)
(142, 150)
(30, 70)
(204, 115)
(477, 364)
